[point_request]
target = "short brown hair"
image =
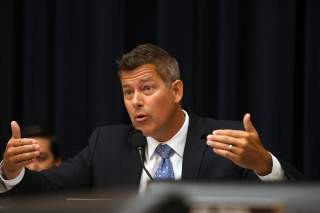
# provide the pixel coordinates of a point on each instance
(166, 65)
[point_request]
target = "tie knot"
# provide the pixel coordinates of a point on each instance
(164, 151)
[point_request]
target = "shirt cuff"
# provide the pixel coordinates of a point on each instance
(9, 184)
(277, 173)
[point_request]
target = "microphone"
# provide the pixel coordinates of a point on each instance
(204, 135)
(139, 142)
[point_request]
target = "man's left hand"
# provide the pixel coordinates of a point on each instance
(242, 147)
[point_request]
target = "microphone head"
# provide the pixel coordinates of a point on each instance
(137, 138)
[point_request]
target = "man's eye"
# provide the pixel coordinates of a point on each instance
(41, 158)
(127, 92)
(147, 88)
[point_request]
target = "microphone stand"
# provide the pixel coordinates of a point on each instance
(140, 150)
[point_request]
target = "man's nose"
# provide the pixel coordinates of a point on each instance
(138, 99)
(33, 166)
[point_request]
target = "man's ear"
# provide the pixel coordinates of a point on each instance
(177, 90)
(57, 162)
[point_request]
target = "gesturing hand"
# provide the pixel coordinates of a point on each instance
(19, 153)
(242, 147)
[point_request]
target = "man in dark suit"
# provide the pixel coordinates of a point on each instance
(180, 145)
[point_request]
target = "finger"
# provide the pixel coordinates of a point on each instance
(223, 153)
(15, 129)
(22, 142)
(231, 133)
(222, 146)
(224, 139)
(24, 157)
(24, 163)
(247, 124)
(23, 149)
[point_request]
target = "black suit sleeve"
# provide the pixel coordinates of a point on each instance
(291, 173)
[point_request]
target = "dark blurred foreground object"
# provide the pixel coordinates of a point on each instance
(245, 197)
(186, 197)
(114, 202)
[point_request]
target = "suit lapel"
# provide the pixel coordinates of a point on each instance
(192, 158)
(195, 148)
(131, 165)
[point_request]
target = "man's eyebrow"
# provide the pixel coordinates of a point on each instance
(141, 81)
(145, 80)
(125, 86)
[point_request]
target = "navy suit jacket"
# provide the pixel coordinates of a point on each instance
(111, 161)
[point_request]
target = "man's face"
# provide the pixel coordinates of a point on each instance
(46, 159)
(153, 106)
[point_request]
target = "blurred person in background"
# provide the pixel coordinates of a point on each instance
(49, 150)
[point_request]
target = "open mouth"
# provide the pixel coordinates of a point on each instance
(141, 118)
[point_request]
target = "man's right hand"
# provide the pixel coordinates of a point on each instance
(19, 153)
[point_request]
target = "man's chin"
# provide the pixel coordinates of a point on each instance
(145, 131)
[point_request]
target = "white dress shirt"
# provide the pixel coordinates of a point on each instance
(152, 161)
(177, 143)
(6, 185)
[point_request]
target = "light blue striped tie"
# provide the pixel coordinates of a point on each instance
(165, 170)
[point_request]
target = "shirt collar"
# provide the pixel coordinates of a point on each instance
(177, 142)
